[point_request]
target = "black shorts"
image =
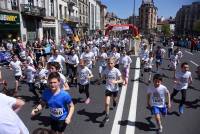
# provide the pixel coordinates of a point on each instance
(17, 78)
(147, 69)
(58, 125)
(109, 93)
(83, 88)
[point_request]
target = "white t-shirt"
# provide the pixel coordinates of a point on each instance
(42, 74)
(30, 74)
(63, 80)
(102, 59)
(144, 54)
(173, 60)
(95, 50)
(72, 59)
(157, 95)
(10, 122)
(16, 66)
(113, 74)
(126, 61)
(116, 56)
(148, 62)
(30, 60)
(171, 44)
(88, 57)
(84, 73)
(182, 80)
(59, 58)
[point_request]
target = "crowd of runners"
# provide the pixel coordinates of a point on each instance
(50, 70)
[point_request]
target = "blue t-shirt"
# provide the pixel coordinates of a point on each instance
(57, 103)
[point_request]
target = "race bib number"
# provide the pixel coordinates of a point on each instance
(56, 112)
(183, 80)
(157, 99)
(82, 77)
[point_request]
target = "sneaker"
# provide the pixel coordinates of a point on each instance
(114, 103)
(106, 119)
(181, 109)
(160, 129)
(87, 101)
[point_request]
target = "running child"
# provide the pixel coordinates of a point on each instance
(85, 74)
(156, 99)
(59, 102)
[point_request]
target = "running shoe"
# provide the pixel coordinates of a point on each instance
(106, 119)
(87, 101)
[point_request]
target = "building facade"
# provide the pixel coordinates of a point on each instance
(9, 20)
(148, 16)
(186, 18)
(83, 17)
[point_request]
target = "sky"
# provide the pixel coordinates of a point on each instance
(124, 8)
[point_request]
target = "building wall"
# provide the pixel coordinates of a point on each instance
(148, 17)
(186, 17)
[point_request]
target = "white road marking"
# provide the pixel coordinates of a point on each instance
(133, 107)
(119, 112)
(194, 63)
(189, 52)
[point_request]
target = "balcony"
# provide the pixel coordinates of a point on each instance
(32, 10)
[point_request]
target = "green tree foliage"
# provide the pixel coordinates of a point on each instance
(166, 29)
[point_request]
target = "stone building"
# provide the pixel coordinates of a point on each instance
(148, 16)
(186, 17)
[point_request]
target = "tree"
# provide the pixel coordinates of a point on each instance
(166, 29)
(196, 27)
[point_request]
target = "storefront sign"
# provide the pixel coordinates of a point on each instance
(9, 18)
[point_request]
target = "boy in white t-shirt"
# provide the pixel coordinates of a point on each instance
(30, 78)
(15, 65)
(84, 75)
(156, 99)
(182, 80)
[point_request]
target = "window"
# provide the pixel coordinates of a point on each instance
(52, 8)
(60, 9)
(14, 4)
(31, 2)
(65, 12)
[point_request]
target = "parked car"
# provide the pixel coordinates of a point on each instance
(5, 57)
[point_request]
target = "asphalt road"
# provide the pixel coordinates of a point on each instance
(87, 119)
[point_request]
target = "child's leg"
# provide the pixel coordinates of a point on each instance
(158, 120)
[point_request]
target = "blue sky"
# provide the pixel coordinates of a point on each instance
(166, 8)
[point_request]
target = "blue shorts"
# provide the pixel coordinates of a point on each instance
(159, 110)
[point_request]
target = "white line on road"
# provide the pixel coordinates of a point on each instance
(194, 63)
(189, 52)
(119, 112)
(133, 107)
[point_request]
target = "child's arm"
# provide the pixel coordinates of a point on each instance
(148, 100)
(168, 99)
(71, 112)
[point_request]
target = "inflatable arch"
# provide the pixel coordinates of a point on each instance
(121, 27)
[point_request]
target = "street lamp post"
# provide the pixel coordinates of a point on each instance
(133, 11)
